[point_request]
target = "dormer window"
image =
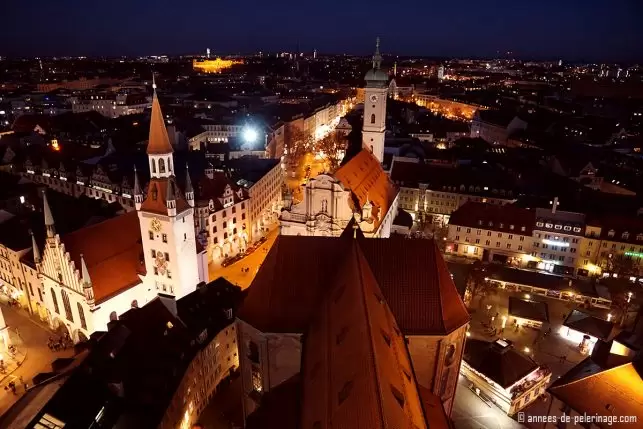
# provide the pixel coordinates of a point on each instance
(611, 233)
(558, 226)
(511, 227)
(625, 235)
(540, 224)
(639, 237)
(548, 225)
(155, 193)
(567, 228)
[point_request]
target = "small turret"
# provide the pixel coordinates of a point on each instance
(367, 209)
(170, 199)
(138, 192)
(189, 190)
(49, 219)
(36, 251)
(209, 171)
(88, 290)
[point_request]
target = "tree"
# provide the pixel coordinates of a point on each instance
(296, 145)
(477, 284)
(620, 306)
(622, 265)
(332, 148)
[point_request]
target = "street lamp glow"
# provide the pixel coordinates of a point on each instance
(250, 135)
(609, 317)
(527, 350)
(527, 296)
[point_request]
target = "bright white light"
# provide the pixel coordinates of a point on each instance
(556, 243)
(250, 135)
(527, 296)
(22, 201)
(527, 350)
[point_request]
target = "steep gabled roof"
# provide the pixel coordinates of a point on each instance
(159, 142)
(618, 391)
(356, 369)
(364, 176)
(157, 193)
(296, 274)
(112, 251)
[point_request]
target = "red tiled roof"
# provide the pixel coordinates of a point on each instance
(112, 251)
(355, 357)
(364, 176)
(495, 217)
(412, 275)
(159, 142)
(156, 200)
(617, 391)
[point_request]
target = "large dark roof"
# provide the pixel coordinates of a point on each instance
(412, 275)
(134, 369)
(502, 364)
(587, 324)
(526, 309)
(506, 218)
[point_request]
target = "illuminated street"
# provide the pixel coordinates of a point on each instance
(295, 183)
(234, 273)
(31, 339)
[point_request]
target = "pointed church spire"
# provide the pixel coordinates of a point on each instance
(87, 281)
(377, 58)
(36, 251)
(88, 290)
(170, 199)
(189, 190)
(138, 192)
(49, 219)
(159, 142)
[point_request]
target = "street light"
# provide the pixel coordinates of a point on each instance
(250, 135)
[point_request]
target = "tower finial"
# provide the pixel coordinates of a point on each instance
(154, 82)
(377, 58)
(36, 251)
(49, 219)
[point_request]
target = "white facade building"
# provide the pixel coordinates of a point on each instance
(94, 274)
(111, 105)
(359, 189)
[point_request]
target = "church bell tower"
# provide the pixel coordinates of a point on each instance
(375, 92)
(166, 217)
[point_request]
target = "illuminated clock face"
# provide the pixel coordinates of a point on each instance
(156, 225)
(373, 98)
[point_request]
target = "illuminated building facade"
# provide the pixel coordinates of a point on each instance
(375, 95)
(214, 66)
(431, 193)
(502, 375)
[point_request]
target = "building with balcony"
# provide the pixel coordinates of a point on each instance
(501, 375)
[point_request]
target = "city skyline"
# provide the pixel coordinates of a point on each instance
(547, 30)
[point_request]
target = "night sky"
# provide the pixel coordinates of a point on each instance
(548, 29)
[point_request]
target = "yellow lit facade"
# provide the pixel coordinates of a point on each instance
(213, 66)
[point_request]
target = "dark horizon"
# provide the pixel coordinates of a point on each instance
(589, 31)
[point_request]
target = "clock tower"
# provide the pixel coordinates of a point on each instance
(166, 218)
(374, 128)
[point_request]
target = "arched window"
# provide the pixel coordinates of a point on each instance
(135, 304)
(372, 118)
(169, 164)
(113, 316)
(153, 166)
(53, 298)
(161, 165)
(67, 306)
(81, 315)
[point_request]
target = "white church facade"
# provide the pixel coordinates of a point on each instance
(94, 274)
(360, 189)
